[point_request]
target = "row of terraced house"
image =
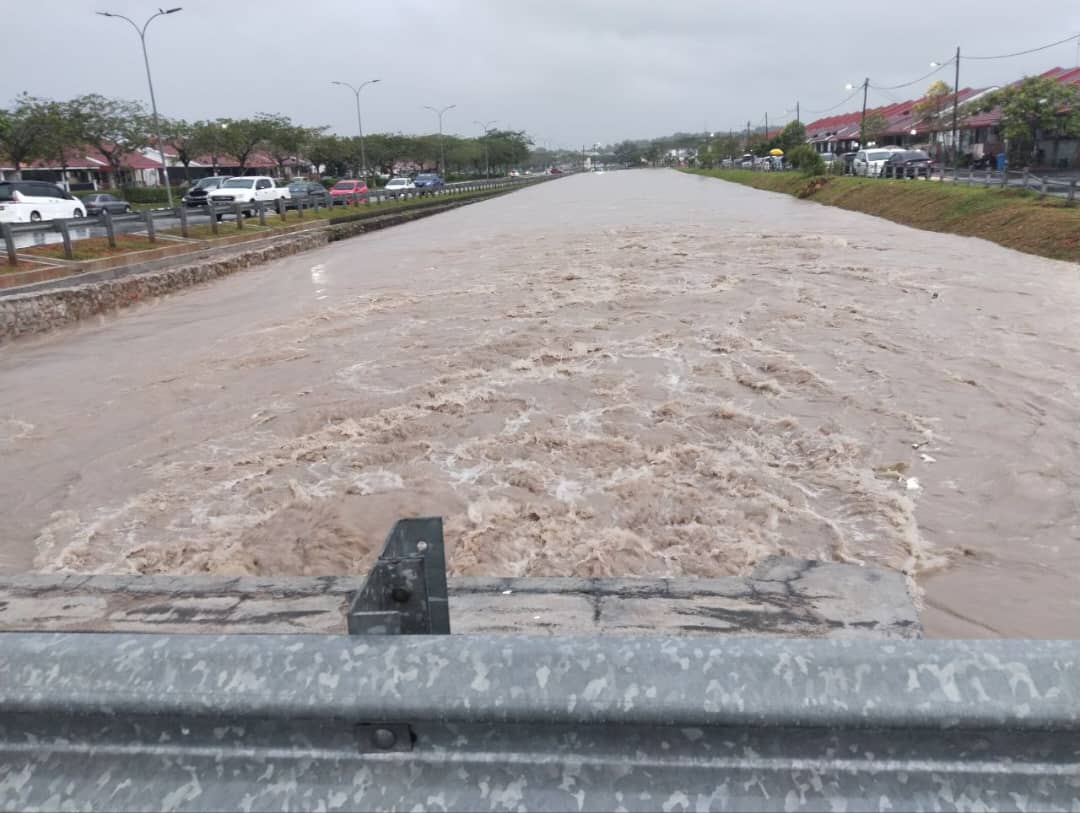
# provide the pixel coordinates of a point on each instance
(978, 134)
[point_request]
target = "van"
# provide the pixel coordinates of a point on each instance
(34, 201)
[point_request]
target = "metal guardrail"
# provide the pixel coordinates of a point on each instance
(183, 217)
(273, 722)
(401, 715)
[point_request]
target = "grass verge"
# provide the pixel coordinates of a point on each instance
(1014, 218)
(93, 248)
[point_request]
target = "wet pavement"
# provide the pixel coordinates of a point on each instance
(631, 373)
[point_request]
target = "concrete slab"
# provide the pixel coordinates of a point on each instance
(783, 597)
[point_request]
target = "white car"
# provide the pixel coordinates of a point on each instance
(248, 190)
(398, 186)
(869, 162)
(34, 201)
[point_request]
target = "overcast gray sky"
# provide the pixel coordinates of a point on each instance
(568, 71)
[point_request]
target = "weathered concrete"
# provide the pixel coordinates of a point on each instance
(783, 597)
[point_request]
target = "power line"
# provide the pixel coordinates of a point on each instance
(920, 79)
(1029, 51)
(838, 104)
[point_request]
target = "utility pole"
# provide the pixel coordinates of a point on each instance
(798, 119)
(442, 149)
(766, 126)
(359, 122)
(153, 102)
(582, 157)
(747, 136)
(862, 121)
(955, 111)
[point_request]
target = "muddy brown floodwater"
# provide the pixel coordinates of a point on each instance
(631, 373)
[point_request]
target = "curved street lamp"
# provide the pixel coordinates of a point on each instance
(485, 126)
(153, 102)
(359, 122)
(442, 149)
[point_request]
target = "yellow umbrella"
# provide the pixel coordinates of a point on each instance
(776, 151)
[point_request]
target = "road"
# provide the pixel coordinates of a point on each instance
(629, 373)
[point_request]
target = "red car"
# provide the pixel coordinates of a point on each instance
(345, 190)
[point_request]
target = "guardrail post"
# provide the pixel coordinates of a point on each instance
(300, 208)
(213, 218)
(148, 219)
(181, 213)
(1042, 188)
(281, 209)
(110, 228)
(1071, 198)
(9, 243)
(1026, 174)
(987, 178)
(262, 213)
(65, 235)
(1004, 178)
(239, 216)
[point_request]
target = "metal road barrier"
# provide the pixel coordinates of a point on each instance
(401, 715)
(149, 222)
(277, 722)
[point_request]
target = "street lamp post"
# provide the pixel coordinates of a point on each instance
(359, 121)
(485, 126)
(442, 149)
(862, 121)
(153, 102)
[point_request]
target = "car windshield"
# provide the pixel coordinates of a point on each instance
(238, 183)
(398, 182)
(344, 185)
(878, 156)
(205, 182)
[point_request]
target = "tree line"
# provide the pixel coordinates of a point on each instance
(33, 128)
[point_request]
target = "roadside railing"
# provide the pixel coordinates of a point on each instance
(152, 222)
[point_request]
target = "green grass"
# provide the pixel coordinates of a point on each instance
(1015, 218)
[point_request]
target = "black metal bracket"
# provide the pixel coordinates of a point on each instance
(405, 592)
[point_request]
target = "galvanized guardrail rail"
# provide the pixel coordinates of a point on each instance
(400, 715)
(183, 217)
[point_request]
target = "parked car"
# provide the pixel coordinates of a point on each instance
(747, 161)
(343, 191)
(907, 164)
(849, 162)
(399, 186)
(552, 171)
(34, 201)
(428, 181)
(869, 162)
(103, 202)
(196, 196)
(248, 190)
(829, 158)
(309, 192)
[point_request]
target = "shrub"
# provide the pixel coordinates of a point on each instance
(805, 159)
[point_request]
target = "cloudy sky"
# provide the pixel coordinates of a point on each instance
(569, 72)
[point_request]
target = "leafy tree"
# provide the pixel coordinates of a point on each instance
(183, 137)
(63, 133)
(114, 127)
(24, 129)
(285, 140)
(629, 152)
(208, 138)
(872, 127)
(329, 152)
(938, 98)
(241, 137)
(1033, 105)
(793, 134)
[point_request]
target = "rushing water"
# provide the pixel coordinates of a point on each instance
(634, 373)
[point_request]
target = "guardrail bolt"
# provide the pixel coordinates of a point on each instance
(383, 738)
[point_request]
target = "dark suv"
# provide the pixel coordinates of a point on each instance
(428, 181)
(906, 164)
(196, 196)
